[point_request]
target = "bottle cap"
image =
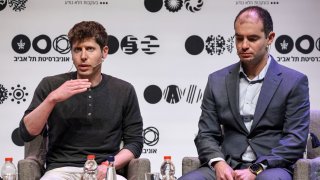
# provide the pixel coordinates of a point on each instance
(166, 157)
(91, 157)
(8, 159)
(110, 158)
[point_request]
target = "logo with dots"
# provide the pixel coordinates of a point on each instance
(17, 94)
(173, 94)
(173, 5)
(16, 5)
(218, 45)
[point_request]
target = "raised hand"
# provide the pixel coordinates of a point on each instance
(69, 88)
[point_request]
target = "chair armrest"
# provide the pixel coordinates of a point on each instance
(29, 169)
(190, 164)
(307, 169)
(137, 168)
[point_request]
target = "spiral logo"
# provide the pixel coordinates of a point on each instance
(193, 8)
(173, 5)
(151, 136)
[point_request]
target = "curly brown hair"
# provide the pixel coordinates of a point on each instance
(88, 29)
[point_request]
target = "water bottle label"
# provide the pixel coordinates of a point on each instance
(9, 177)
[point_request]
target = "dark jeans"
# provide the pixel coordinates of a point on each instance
(205, 173)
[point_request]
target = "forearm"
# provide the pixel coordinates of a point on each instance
(123, 158)
(35, 120)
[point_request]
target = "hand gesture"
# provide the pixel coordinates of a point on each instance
(102, 170)
(69, 88)
(223, 171)
(244, 174)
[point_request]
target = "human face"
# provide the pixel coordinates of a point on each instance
(87, 56)
(251, 42)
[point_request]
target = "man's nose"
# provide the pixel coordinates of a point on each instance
(245, 44)
(83, 54)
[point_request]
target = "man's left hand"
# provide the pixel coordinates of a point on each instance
(244, 174)
(102, 170)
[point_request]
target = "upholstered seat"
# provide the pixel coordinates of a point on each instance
(33, 165)
(307, 168)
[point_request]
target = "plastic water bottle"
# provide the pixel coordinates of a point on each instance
(111, 170)
(9, 171)
(167, 169)
(90, 168)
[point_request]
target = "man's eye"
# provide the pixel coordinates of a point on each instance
(252, 39)
(76, 50)
(239, 39)
(90, 49)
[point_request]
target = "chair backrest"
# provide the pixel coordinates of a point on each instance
(36, 149)
(315, 129)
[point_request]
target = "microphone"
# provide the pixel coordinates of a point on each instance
(98, 63)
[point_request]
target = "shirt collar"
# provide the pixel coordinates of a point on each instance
(260, 76)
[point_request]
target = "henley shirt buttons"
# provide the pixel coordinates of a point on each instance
(89, 97)
(89, 114)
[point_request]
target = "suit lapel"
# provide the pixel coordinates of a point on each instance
(232, 86)
(270, 84)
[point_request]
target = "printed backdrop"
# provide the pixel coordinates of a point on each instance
(165, 48)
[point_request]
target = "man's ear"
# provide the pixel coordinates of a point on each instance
(270, 37)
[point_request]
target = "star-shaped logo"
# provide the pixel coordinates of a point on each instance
(21, 44)
(284, 45)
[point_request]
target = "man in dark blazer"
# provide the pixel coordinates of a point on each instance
(255, 113)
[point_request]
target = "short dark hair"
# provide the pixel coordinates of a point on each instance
(88, 29)
(263, 14)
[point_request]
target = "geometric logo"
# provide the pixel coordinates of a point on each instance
(172, 94)
(151, 136)
(18, 94)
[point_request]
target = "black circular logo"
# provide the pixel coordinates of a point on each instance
(194, 45)
(284, 44)
(16, 138)
(153, 5)
(113, 44)
(149, 44)
(129, 44)
(173, 5)
(21, 44)
(35, 44)
(152, 94)
(173, 94)
(310, 41)
(3, 4)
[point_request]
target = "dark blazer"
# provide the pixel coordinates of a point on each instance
(280, 126)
